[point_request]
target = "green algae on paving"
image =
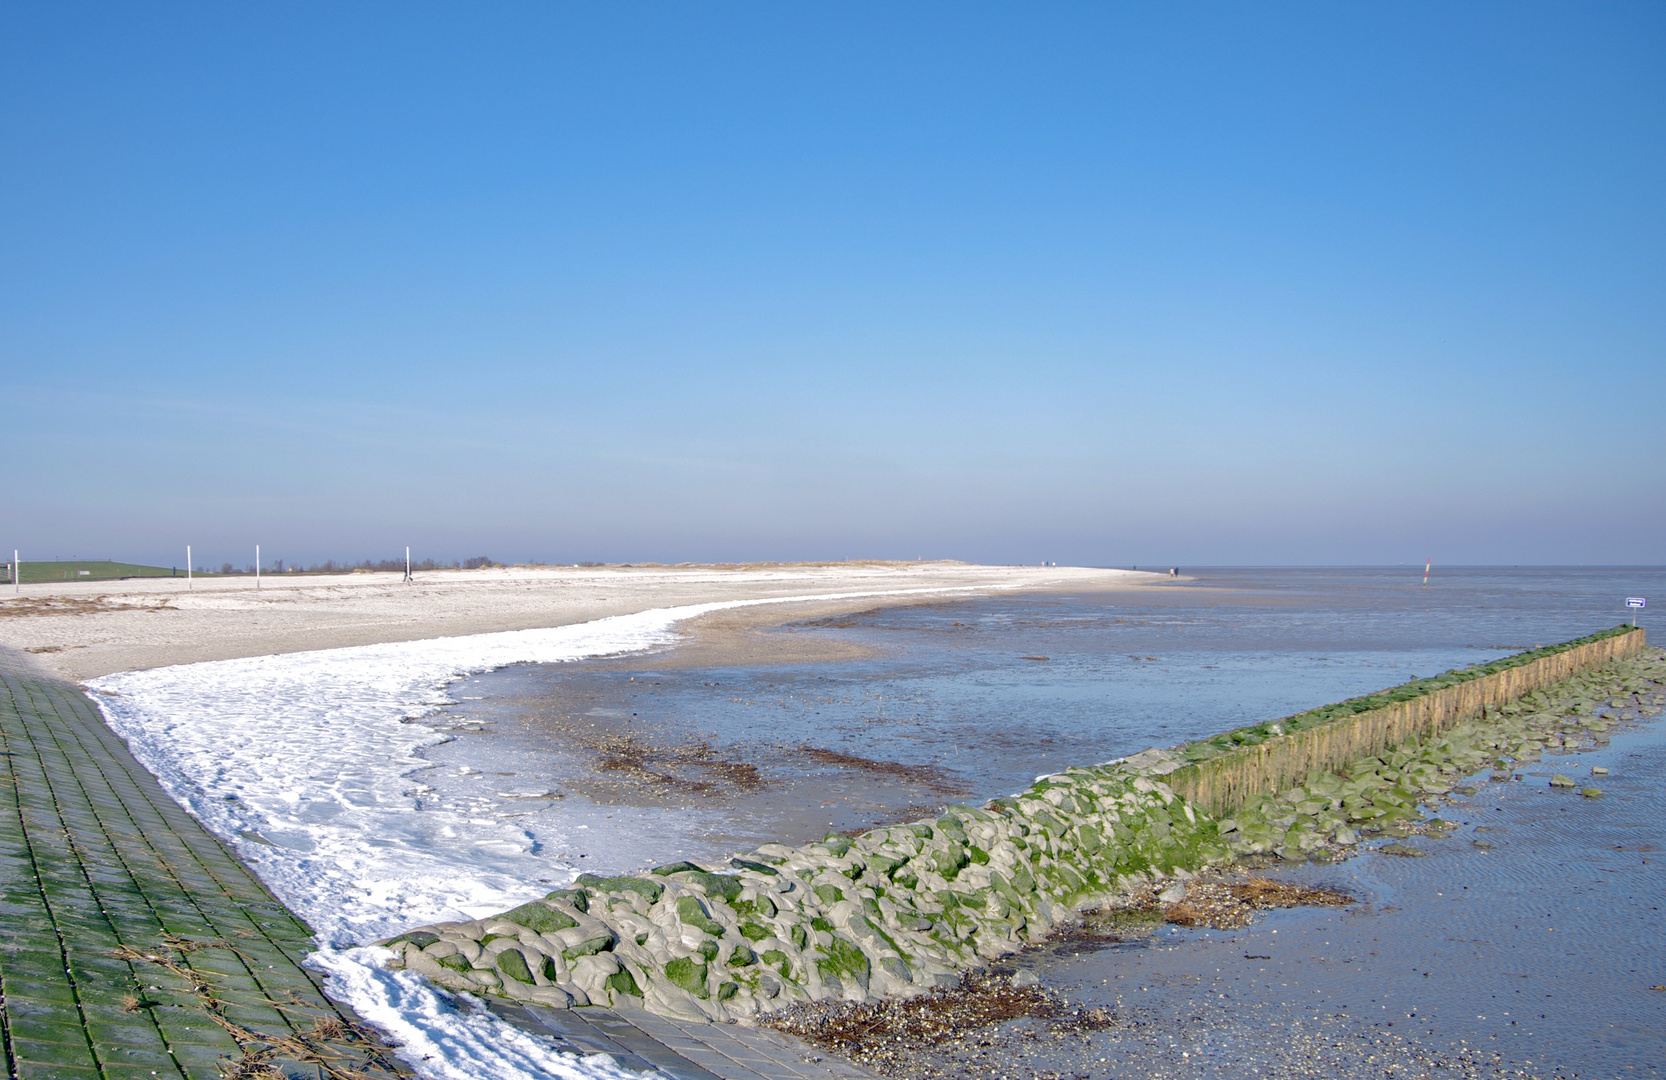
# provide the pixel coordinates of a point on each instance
(907, 908)
(131, 942)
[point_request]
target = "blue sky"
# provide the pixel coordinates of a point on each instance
(1097, 284)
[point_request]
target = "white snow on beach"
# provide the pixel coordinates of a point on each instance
(302, 763)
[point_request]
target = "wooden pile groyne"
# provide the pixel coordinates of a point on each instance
(1225, 772)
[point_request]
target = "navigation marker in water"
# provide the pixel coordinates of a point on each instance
(1426, 567)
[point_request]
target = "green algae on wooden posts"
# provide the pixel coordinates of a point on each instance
(1223, 772)
(1382, 793)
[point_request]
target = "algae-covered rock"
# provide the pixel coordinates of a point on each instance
(651, 890)
(843, 960)
(726, 886)
(623, 982)
(513, 964)
(693, 913)
(578, 898)
(686, 974)
(588, 947)
(676, 868)
(540, 918)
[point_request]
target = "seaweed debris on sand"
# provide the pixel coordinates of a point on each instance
(1230, 904)
(890, 1035)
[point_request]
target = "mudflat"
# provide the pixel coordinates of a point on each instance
(81, 630)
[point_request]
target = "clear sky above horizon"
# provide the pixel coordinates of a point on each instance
(1100, 284)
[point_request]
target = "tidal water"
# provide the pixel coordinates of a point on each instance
(964, 700)
(1536, 956)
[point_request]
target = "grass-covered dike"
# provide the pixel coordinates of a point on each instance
(906, 908)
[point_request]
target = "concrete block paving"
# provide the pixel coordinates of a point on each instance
(133, 945)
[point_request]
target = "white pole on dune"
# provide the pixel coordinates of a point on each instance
(257, 566)
(188, 583)
(17, 575)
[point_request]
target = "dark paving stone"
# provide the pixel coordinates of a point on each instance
(97, 858)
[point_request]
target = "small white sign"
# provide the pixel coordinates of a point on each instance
(1636, 601)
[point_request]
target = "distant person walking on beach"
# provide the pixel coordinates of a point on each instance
(1174, 571)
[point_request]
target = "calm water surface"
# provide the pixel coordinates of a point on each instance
(968, 699)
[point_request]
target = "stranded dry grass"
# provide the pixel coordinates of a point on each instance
(883, 1034)
(1229, 905)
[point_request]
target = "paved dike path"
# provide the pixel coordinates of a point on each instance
(132, 944)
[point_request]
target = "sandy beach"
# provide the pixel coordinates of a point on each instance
(88, 629)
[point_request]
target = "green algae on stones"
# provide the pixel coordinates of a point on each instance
(652, 890)
(588, 947)
(842, 959)
(686, 974)
(540, 918)
(576, 897)
(692, 912)
(513, 964)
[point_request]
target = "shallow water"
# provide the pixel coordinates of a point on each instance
(966, 700)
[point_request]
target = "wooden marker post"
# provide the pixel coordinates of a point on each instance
(257, 566)
(188, 583)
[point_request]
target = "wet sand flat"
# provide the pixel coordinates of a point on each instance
(1528, 943)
